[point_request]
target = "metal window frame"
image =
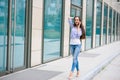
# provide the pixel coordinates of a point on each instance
(100, 24)
(76, 7)
(61, 38)
(105, 4)
(110, 12)
(8, 48)
(28, 33)
(114, 25)
(92, 26)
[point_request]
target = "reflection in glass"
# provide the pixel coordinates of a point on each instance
(117, 28)
(77, 2)
(98, 22)
(113, 31)
(72, 12)
(78, 12)
(105, 24)
(3, 33)
(89, 23)
(52, 29)
(110, 25)
(75, 11)
(18, 34)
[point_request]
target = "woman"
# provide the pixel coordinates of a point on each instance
(77, 33)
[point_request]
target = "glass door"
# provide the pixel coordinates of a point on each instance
(3, 34)
(14, 59)
(12, 35)
(18, 34)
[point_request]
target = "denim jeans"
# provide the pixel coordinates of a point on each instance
(75, 50)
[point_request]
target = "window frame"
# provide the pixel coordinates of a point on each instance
(76, 7)
(100, 1)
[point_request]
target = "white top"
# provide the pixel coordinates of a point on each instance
(75, 41)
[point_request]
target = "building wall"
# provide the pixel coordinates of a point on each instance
(8, 14)
(66, 28)
(37, 27)
(37, 23)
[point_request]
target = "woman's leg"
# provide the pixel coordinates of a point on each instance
(77, 65)
(72, 49)
(75, 58)
(78, 51)
(75, 50)
(77, 68)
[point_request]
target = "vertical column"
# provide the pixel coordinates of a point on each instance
(9, 36)
(37, 19)
(66, 28)
(84, 21)
(28, 33)
(94, 24)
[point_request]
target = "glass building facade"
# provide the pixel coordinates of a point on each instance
(76, 8)
(114, 25)
(105, 24)
(89, 23)
(12, 35)
(110, 26)
(52, 29)
(117, 25)
(18, 33)
(33, 32)
(3, 33)
(98, 22)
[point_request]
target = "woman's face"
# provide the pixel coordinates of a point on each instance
(77, 21)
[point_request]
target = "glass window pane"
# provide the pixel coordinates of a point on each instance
(89, 23)
(110, 25)
(72, 12)
(18, 33)
(75, 11)
(78, 12)
(77, 2)
(3, 33)
(98, 22)
(113, 31)
(105, 24)
(119, 26)
(52, 29)
(116, 26)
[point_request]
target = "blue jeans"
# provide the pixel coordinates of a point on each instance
(75, 50)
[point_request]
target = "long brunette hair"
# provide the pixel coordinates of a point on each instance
(83, 36)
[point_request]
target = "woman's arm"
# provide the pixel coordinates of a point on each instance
(70, 22)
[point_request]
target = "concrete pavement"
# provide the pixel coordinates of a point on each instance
(110, 72)
(91, 62)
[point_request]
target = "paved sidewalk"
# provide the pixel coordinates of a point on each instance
(91, 62)
(111, 72)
